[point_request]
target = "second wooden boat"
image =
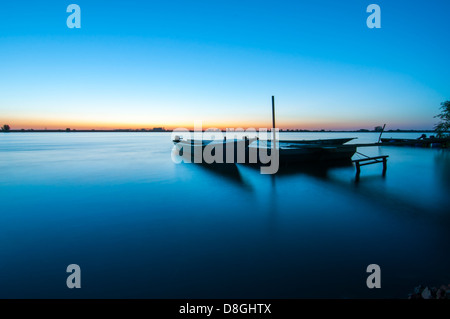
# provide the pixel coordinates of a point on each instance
(289, 152)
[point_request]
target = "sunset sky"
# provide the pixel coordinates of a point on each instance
(144, 64)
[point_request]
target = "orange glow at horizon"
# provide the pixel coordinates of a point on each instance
(91, 125)
(256, 122)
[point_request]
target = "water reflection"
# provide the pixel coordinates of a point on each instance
(442, 161)
(228, 171)
(318, 170)
(225, 172)
(372, 186)
(113, 198)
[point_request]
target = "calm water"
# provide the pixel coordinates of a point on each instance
(141, 226)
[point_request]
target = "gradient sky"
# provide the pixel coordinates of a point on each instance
(141, 64)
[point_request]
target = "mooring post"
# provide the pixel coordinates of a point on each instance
(273, 123)
(369, 161)
(358, 171)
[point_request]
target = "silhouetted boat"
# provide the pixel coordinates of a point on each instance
(330, 141)
(420, 142)
(290, 151)
(194, 150)
(293, 152)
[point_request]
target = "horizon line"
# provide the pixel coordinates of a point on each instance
(163, 130)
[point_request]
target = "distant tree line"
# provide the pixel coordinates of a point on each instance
(5, 128)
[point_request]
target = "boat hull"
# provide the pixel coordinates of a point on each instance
(296, 153)
(427, 142)
(252, 151)
(317, 155)
(325, 142)
(213, 152)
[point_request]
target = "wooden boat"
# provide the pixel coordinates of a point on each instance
(420, 142)
(294, 151)
(330, 141)
(316, 151)
(194, 150)
(303, 153)
(259, 152)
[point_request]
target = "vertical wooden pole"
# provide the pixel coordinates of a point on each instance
(273, 112)
(273, 122)
(274, 146)
(358, 171)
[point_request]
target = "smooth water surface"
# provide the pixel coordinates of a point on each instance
(141, 226)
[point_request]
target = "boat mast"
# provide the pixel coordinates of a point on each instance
(273, 112)
(273, 121)
(382, 130)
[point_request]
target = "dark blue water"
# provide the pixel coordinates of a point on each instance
(141, 226)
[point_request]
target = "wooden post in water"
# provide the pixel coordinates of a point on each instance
(273, 112)
(273, 122)
(274, 143)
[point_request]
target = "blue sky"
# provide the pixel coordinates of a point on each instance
(169, 63)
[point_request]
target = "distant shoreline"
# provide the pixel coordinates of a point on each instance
(223, 131)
